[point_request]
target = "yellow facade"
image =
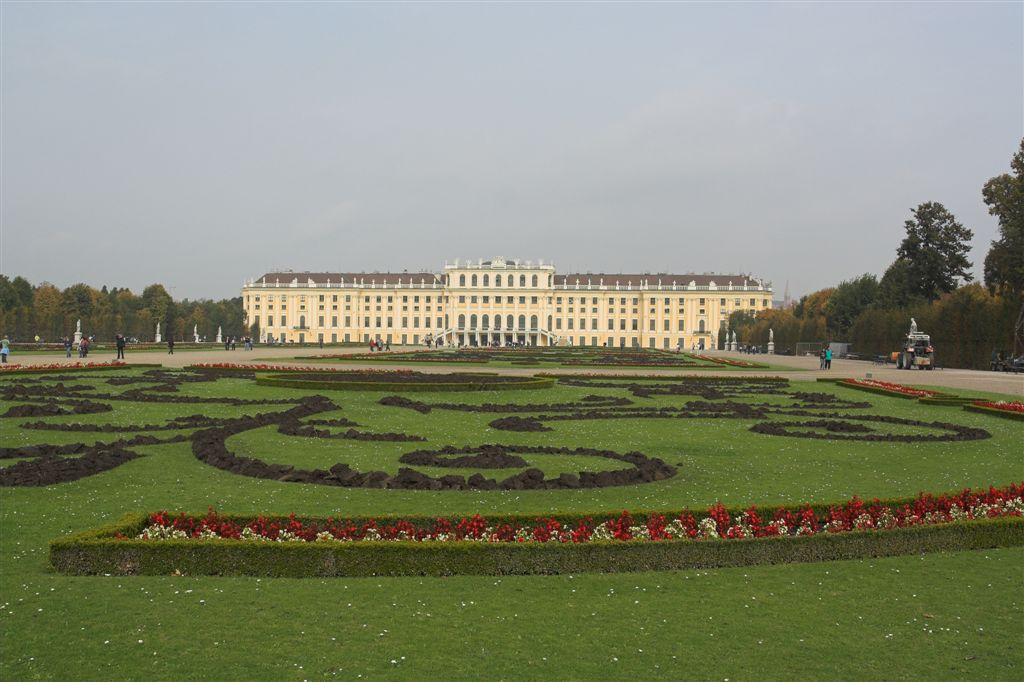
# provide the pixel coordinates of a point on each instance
(498, 302)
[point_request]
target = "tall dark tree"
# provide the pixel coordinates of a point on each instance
(848, 300)
(1004, 264)
(1004, 195)
(935, 250)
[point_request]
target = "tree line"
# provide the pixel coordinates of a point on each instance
(930, 281)
(43, 310)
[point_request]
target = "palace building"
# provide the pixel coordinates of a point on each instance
(498, 302)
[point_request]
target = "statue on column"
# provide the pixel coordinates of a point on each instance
(78, 331)
(158, 339)
(771, 341)
(219, 335)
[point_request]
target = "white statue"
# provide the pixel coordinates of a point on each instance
(913, 326)
(219, 335)
(195, 333)
(771, 335)
(78, 332)
(158, 338)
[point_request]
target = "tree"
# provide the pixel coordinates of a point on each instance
(1004, 196)
(848, 300)
(935, 250)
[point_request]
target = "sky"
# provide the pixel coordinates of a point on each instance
(202, 144)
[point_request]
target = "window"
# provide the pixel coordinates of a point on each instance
(497, 280)
(473, 280)
(487, 299)
(558, 323)
(462, 321)
(533, 300)
(283, 321)
(472, 299)
(569, 323)
(462, 299)
(593, 323)
(390, 325)
(348, 321)
(320, 321)
(522, 300)
(753, 302)
(334, 320)
(681, 326)
(611, 325)
(366, 322)
(535, 280)
(721, 302)
(522, 280)
(487, 281)
(378, 324)
(622, 324)
(702, 301)
(667, 326)
(405, 322)
(415, 323)
(321, 298)
(509, 299)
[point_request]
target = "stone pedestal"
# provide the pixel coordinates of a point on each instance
(771, 348)
(158, 339)
(219, 338)
(78, 336)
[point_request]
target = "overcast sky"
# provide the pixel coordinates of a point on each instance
(200, 144)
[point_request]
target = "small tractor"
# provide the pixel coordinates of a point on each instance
(917, 350)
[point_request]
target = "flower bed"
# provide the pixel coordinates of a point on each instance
(61, 366)
(162, 543)
(731, 363)
(1010, 410)
(262, 367)
(886, 388)
(403, 381)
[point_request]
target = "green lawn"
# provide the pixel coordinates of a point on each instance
(941, 615)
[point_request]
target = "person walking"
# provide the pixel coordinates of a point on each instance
(119, 342)
(5, 349)
(828, 358)
(67, 346)
(170, 346)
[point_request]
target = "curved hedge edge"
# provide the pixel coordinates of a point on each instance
(1006, 414)
(661, 377)
(90, 556)
(50, 370)
(531, 384)
(874, 389)
(949, 401)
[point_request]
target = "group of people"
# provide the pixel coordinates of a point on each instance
(826, 358)
(378, 345)
(229, 343)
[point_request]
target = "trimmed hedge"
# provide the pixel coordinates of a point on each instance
(281, 381)
(96, 552)
(663, 377)
(1006, 414)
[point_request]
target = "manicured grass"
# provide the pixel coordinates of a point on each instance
(937, 615)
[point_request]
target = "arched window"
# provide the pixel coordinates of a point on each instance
(487, 280)
(535, 280)
(472, 322)
(462, 321)
(533, 321)
(497, 280)
(522, 280)
(700, 326)
(462, 280)
(510, 322)
(474, 280)
(484, 321)
(522, 320)
(302, 321)
(549, 322)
